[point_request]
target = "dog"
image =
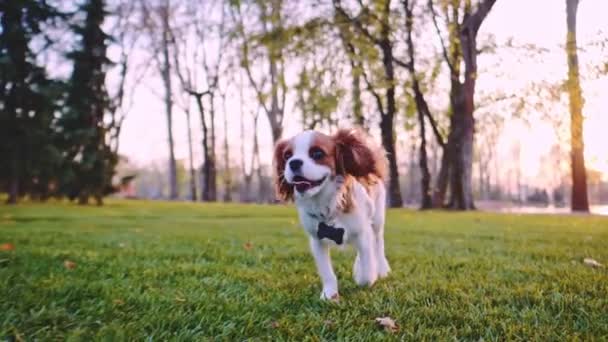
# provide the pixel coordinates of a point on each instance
(337, 184)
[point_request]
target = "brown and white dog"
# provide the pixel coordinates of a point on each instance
(337, 184)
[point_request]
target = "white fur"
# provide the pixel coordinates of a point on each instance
(363, 224)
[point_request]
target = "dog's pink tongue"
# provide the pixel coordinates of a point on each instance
(302, 186)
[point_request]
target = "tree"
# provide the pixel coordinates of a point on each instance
(184, 103)
(317, 93)
(373, 24)
(580, 201)
(463, 24)
(421, 107)
(210, 39)
(90, 161)
(28, 102)
(265, 45)
(227, 171)
(156, 22)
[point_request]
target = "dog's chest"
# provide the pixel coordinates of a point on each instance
(326, 224)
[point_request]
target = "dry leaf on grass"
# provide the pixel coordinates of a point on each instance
(17, 336)
(70, 265)
(248, 246)
(275, 324)
(118, 301)
(5, 247)
(387, 323)
(592, 263)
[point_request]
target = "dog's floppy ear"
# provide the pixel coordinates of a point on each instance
(356, 155)
(283, 189)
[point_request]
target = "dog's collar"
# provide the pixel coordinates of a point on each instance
(319, 217)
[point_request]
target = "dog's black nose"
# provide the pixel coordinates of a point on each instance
(295, 164)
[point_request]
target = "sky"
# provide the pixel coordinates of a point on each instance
(539, 22)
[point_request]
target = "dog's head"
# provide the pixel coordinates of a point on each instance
(307, 162)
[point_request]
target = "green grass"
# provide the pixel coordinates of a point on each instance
(176, 271)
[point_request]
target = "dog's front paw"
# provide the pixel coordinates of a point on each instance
(330, 294)
(366, 279)
(383, 268)
(363, 276)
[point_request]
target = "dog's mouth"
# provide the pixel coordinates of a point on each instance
(303, 184)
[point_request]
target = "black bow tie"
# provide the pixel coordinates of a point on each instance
(330, 232)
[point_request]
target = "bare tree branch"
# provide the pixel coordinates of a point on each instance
(443, 46)
(473, 21)
(356, 21)
(419, 98)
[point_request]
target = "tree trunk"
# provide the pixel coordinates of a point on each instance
(99, 200)
(83, 198)
(425, 181)
(460, 146)
(166, 76)
(205, 170)
(580, 201)
(244, 190)
(13, 187)
(227, 171)
(255, 165)
(212, 169)
(386, 128)
(388, 141)
(441, 186)
(191, 159)
(275, 115)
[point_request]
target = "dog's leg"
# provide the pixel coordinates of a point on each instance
(325, 269)
(383, 266)
(366, 265)
(378, 227)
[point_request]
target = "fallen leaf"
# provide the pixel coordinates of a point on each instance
(592, 263)
(387, 323)
(70, 265)
(275, 324)
(17, 337)
(118, 301)
(248, 245)
(328, 322)
(5, 247)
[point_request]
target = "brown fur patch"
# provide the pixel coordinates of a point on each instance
(345, 195)
(328, 145)
(283, 189)
(359, 156)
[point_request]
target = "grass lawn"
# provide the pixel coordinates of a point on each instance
(177, 271)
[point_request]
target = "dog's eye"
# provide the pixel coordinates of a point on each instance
(287, 155)
(316, 153)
